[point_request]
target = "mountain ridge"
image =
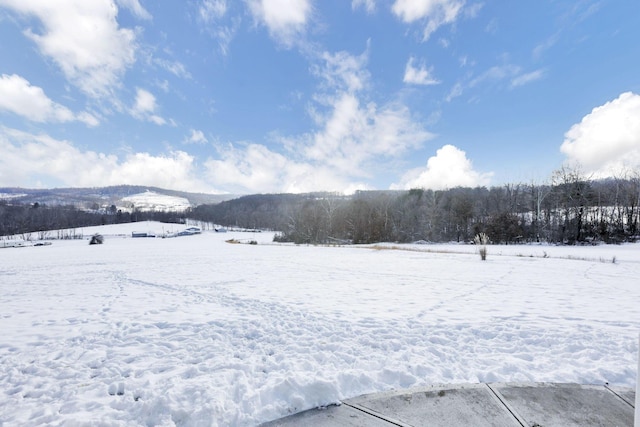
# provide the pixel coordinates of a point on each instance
(88, 197)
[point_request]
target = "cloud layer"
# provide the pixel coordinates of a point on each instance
(307, 112)
(27, 155)
(351, 138)
(353, 135)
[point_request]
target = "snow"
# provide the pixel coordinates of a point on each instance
(152, 201)
(9, 196)
(194, 331)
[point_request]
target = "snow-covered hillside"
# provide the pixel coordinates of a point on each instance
(155, 202)
(196, 331)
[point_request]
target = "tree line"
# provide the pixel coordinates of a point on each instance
(572, 209)
(39, 219)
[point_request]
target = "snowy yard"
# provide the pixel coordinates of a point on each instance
(194, 331)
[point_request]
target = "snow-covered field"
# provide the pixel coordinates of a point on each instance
(152, 201)
(193, 331)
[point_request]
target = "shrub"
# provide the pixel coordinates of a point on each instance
(96, 239)
(481, 239)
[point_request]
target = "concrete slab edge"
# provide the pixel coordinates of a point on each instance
(357, 403)
(620, 396)
(376, 414)
(506, 405)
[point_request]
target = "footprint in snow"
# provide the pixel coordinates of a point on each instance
(116, 389)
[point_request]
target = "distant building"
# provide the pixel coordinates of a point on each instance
(189, 231)
(142, 234)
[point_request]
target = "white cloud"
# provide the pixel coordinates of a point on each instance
(83, 38)
(496, 73)
(435, 13)
(18, 96)
(27, 155)
(353, 137)
(154, 118)
(492, 27)
(176, 68)
(254, 168)
(473, 10)
(145, 106)
(136, 8)
(418, 76)
(449, 168)
(342, 71)
(87, 118)
(212, 13)
(455, 92)
(352, 134)
(334, 158)
(607, 140)
(196, 137)
(145, 102)
(225, 35)
(172, 170)
(368, 5)
(527, 78)
(163, 85)
(212, 10)
(547, 44)
(285, 20)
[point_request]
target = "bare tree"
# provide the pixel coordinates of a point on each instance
(572, 188)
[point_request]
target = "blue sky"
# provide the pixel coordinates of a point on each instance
(257, 96)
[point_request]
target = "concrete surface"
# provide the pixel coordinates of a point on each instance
(501, 405)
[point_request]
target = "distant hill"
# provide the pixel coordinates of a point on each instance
(150, 201)
(120, 195)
